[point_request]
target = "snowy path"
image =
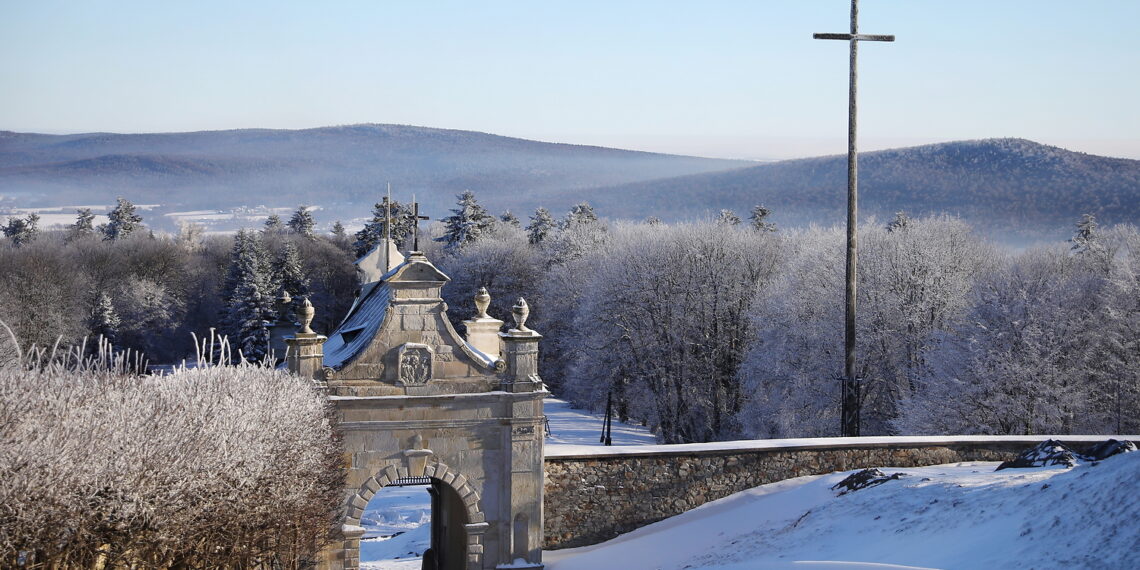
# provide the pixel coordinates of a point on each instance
(949, 516)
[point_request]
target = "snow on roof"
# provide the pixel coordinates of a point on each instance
(358, 328)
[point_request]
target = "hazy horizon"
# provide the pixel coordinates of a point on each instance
(733, 80)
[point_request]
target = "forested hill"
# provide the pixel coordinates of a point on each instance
(1011, 188)
(341, 168)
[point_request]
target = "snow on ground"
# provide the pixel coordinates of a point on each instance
(962, 515)
(571, 426)
(396, 520)
(396, 528)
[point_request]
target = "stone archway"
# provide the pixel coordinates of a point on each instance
(441, 474)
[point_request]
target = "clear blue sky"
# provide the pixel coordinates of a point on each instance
(740, 79)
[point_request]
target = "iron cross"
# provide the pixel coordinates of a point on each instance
(850, 402)
(416, 217)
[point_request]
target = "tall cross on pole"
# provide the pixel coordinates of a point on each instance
(416, 217)
(849, 422)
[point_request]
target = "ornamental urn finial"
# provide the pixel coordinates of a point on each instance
(305, 314)
(283, 303)
(520, 311)
(482, 301)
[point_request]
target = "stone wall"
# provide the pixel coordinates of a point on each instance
(594, 494)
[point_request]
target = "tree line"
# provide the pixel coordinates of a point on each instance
(716, 329)
(721, 329)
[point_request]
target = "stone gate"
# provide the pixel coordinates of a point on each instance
(416, 402)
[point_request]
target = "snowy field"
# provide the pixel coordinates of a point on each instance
(963, 515)
(950, 516)
(396, 520)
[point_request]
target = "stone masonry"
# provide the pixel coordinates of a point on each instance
(593, 498)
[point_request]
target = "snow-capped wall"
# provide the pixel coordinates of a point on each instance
(594, 494)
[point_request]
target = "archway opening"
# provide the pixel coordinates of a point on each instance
(414, 523)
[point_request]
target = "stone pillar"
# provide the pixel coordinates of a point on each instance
(306, 348)
(483, 330)
(520, 351)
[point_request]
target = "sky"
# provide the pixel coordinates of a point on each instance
(738, 79)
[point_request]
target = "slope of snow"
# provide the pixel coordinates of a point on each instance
(950, 516)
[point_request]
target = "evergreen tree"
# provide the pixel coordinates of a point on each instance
(900, 222)
(22, 231)
(338, 231)
(273, 224)
(541, 224)
(104, 321)
(510, 219)
(467, 223)
(287, 272)
(582, 214)
(377, 229)
(122, 221)
(84, 223)
(1085, 238)
(759, 219)
(249, 298)
(302, 222)
(728, 218)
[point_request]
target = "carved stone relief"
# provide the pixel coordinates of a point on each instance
(415, 364)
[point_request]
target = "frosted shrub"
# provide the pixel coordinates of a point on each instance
(208, 467)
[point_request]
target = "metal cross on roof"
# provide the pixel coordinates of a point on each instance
(416, 217)
(850, 403)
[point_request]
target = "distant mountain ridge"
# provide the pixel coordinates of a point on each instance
(341, 168)
(1008, 187)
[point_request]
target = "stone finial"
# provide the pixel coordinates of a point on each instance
(520, 311)
(305, 314)
(482, 301)
(283, 303)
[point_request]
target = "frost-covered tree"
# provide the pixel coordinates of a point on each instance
(728, 218)
(580, 233)
(1085, 236)
(338, 232)
(581, 214)
(302, 222)
(288, 274)
(376, 229)
(122, 221)
(103, 468)
(467, 223)
(540, 226)
(22, 231)
(759, 219)
(663, 323)
(653, 221)
(510, 219)
(104, 321)
(273, 224)
(84, 224)
(249, 297)
(900, 222)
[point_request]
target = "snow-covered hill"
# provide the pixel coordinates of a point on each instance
(965, 515)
